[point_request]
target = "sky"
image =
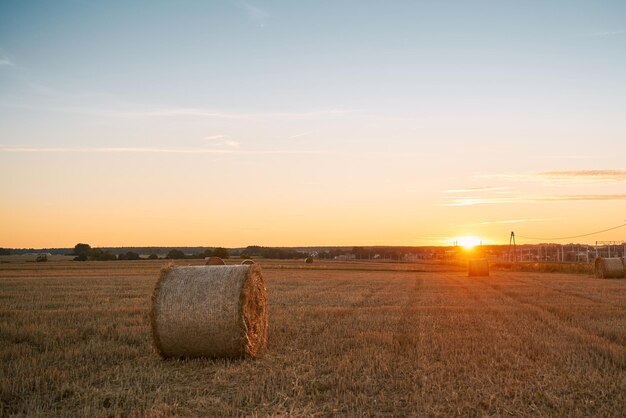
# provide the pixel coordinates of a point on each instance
(283, 123)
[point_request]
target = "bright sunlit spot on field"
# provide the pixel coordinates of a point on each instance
(468, 242)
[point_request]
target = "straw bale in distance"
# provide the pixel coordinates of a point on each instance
(609, 268)
(478, 267)
(214, 261)
(247, 262)
(308, 260)
(210, 311)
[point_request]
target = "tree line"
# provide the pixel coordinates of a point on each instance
(84, 252)
(272, 252)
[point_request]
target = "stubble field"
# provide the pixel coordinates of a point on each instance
(345, 339)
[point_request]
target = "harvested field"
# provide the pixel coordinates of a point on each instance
(353, 338)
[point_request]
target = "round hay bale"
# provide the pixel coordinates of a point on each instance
(308, 260)
(247, 262)
(478, 267)
(214, 261)
(210, 311)
(609, 268)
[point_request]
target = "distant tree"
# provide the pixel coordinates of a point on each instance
(107, 256)
(200, 255)
(131, 255)
(80, 249)
(221, 253)
(4, 251)
(153, 257)
(98, 254)
(81, 257)
(175, 254)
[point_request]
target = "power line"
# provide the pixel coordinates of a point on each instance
(575, 236)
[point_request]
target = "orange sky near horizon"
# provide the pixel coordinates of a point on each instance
(131, 200)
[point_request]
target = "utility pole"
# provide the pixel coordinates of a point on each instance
(512, 246)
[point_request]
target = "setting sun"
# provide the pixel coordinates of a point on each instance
(468, 242)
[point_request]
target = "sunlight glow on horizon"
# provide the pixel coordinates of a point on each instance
(469, 242)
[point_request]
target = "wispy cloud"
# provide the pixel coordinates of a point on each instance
(606, 33)
(563, 176)
(222, 149)
(471, 201)
(567, 157)
(235, 115)
(255, 14)
(587, 197)
(612, 175)
(213, 137)
(4, 60)
(221, 141)
(300, 135)
(476, 190)
(187, 112)
(377, 155)
(512, 221)
(150, 150)
(508, 176)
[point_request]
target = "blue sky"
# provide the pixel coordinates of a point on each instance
(396, 102)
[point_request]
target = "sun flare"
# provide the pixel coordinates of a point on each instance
(468, 242)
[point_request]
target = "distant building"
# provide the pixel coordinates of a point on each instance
(345, 257)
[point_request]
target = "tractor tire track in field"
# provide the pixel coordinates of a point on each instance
(320, 327)
(592, 305)
(601, 345)
(484, 347)
(541, 283)
(528, 347)
(493, 324)
(313, 329)
(404, 337)
(568, 319)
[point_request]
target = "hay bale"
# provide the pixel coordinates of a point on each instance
(308, 260)
(214, 261)
(247, 262)
(478, 267)
(209, 311)
(609, 268)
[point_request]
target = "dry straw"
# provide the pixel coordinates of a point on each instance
(214, 261)
(247, 262)
(210, 311)
(308, 260)
(609, 268)
(478, 267)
